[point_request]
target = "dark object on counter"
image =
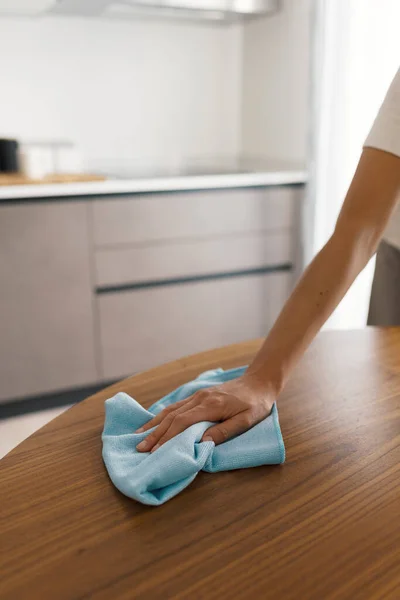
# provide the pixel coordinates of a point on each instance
(9, 161)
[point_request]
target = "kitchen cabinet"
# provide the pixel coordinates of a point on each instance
(148, 327)
(94, 289)
(179, 273)
(46, 318)
(230, 253)
(161, 217)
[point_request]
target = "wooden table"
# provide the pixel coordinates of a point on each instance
(326, 525)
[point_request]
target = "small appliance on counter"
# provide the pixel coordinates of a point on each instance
(47, 158)
(42, 162)
(9, 156)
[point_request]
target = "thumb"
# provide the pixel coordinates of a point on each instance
(228, 429)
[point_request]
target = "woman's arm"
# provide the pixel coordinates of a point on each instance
(369, 203)
(239, 404)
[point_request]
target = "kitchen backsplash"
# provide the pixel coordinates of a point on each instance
(150, 91)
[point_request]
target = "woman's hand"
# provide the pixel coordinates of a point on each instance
(235, 405)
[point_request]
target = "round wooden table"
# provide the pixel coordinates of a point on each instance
(326, 525)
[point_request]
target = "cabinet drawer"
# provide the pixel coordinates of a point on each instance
(117, 265)
(144, 328)
(186, 215)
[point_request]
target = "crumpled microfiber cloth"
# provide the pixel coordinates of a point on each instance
(154, 478)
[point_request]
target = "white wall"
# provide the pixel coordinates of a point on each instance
(137, 91)
(275, 83)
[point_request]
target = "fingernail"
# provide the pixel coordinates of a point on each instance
(143, 445)
(207, 438)
(155, 447)
(140, 430)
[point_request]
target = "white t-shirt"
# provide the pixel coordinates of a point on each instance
(385, 135)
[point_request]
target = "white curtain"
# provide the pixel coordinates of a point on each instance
(356, 54)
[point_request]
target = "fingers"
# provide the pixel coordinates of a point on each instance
(164, 413)
(180, 423)
(202, 406)
(173, 424)
(230, 428)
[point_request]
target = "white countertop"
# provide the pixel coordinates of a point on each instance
(155, 184)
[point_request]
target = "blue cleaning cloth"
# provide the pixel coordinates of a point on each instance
(154, 478)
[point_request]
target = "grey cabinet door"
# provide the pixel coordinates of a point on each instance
(192, 215)
(145, 328)
(127, 265)
(46, 318)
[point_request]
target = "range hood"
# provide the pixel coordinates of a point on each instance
(212, 10)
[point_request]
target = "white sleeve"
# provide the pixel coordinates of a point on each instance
(385, 132)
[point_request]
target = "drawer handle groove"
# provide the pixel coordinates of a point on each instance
(143, 285)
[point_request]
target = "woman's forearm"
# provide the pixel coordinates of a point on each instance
(315, 297)
(369, 203)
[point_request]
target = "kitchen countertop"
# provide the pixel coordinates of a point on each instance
(115, 186)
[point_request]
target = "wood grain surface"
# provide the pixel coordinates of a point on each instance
(326, 525)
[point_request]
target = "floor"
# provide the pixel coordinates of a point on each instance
(16, 429)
